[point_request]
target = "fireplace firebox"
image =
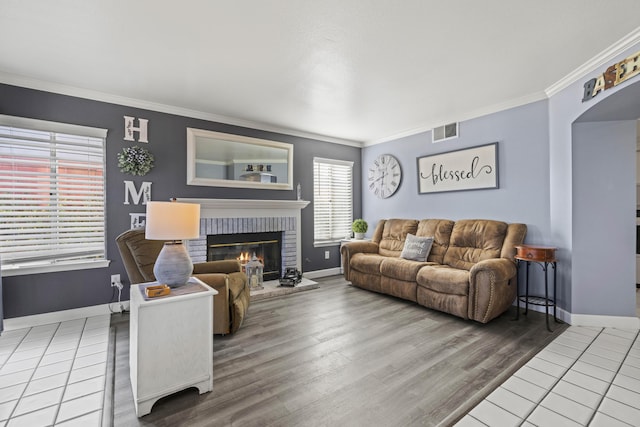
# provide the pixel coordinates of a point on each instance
(266, 246)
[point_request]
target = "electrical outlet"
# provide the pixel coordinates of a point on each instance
(115, 280)
(327, 254)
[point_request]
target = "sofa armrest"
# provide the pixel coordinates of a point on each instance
(349, 249)
(490, 290)
(226, 267)
(221, 315)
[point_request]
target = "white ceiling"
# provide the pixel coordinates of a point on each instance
(357, 70)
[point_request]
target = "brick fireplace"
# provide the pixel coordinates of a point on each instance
(242, 246)
(235, 216)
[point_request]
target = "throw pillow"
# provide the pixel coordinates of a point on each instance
(416, 248)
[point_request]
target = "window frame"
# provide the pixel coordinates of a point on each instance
(333, 240)
(51, 264)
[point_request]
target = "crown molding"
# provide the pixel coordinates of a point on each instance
(599, 60)
(30, 83)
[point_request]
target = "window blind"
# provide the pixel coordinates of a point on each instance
(332, 200)
(52, 192)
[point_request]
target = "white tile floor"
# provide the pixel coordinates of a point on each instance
(54, 375)
(586, 376)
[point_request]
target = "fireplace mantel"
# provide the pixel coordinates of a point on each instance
(247, 208)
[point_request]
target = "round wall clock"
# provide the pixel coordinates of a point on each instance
(384, 176)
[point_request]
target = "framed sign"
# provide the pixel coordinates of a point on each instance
(467, 169)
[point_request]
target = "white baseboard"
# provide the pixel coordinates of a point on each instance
(62, 316)
(322, 273)
(98, 310)
(561, 314)
(620, 322)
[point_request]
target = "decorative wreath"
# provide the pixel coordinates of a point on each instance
(135, 160)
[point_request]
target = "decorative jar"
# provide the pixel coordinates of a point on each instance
(254, 271)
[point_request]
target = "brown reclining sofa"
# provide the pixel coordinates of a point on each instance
(470, 271)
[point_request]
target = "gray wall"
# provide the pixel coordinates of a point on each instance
(41, 293)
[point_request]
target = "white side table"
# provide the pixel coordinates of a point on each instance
(171, 342)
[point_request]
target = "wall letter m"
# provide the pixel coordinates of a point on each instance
(144, 193)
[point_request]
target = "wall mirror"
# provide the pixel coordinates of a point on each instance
(225, 160)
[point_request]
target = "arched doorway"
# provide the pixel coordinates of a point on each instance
(604, 141)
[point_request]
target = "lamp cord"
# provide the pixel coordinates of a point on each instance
(122, 310)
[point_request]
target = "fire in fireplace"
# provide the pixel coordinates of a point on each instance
(266, 246)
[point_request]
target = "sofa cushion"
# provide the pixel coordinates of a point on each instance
(457, 305)
(401, 269)
(416, 248)
(473, 241)
(367, 263)
(440, 229)
(398, 288)
(394, 232)
(367, 281)
(444, 279)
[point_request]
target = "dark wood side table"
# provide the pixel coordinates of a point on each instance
(544, 256)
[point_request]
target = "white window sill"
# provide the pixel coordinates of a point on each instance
(9, 270)
(325, 244)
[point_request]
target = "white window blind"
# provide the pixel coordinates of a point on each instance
(52, 192)
(332, 200)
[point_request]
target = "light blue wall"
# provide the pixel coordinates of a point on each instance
(523, 160)
(604, 161)
(545, 182)
(568, 220)
(523, 167)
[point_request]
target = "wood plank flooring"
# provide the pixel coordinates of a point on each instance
(340, 355)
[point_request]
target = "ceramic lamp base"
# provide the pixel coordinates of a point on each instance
(173, 266)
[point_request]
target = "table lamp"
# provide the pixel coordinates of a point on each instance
(172, 222)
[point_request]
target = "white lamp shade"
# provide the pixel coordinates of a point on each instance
(172, 221)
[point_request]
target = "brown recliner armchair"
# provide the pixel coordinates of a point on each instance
(229, 306)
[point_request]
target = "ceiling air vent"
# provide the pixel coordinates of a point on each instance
(442, 133)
